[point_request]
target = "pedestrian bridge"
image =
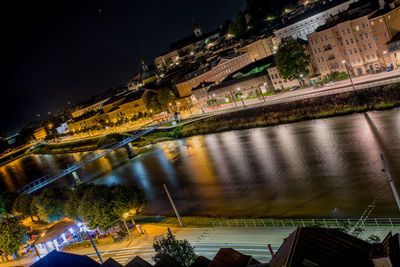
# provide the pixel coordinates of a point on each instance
(88, 158)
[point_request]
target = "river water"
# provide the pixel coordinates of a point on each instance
(327, 167)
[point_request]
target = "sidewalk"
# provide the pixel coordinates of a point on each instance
(218, 237)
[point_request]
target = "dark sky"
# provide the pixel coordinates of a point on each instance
(59, 51)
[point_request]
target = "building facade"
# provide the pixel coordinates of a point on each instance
(303, 24)
(248, 86)
(93, 107)
(213, 73)
(278, 82)
(347, 45)
(259, 49)
(171, 57)
(385, 26)
(40, 134)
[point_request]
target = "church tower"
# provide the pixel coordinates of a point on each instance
(196, 29)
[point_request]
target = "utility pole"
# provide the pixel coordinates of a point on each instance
(173, 206)
(390, 180)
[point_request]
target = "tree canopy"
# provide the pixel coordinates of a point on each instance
(23, 204)
(239, 26)
(179, 250)
(102, 205)
(50, 203)
(165, 96)
(291, 59)
(12, 235)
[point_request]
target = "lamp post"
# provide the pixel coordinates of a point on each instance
(233, 97)
(261, 92)
(241, 96)
(348, 73)
(301, 78)
(126, 226)
(214, 101)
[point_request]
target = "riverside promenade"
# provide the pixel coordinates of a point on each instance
(207, 241)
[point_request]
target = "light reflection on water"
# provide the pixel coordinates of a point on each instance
(301, 169)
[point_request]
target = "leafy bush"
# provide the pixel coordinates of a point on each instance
(179, 250)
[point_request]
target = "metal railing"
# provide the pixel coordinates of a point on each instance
(327, 222)
(88, 158)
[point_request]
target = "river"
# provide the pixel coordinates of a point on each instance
(327, 167)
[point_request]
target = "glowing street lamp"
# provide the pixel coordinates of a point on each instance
(348, 73)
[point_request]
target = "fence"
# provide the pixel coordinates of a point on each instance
(329, 222)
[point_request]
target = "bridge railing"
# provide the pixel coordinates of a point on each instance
(86, 159)
(327, 222)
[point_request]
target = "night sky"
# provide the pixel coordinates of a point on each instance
(59, 51)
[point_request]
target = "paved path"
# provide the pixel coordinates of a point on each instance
(207, 241)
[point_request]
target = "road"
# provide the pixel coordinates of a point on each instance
(363, 82)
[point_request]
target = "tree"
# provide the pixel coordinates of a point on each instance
(102, 205)
(23, 203)
(7, 202)
(50, 203)
(71, 207)
(151, 102)
(179, 250)
(165, 96)
(292, 60)
(239, 27)
(12, 235)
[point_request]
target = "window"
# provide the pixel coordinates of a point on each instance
(376, 38)
(350, 51)
(355, 50)
(315, 50)
(380, 20)
(344, 52)
(348, 30)
(361, 37)
(343, 32)
(319, 49)
(357, 28)
(358, 60)
(322, 59)
(351, 40)
(366, 35)
(312, 42)
(372, 23)
(368, 57)
(341, 43)
(385, 35)
(354, 62)
(318, 60)
(365, 48)
(347, 41)
(363, 25)
(326, 38)
(370, 46)
(373, 56)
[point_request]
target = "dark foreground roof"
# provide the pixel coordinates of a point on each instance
(308, 246)
(62, 259)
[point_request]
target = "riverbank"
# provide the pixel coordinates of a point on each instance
(379, 98)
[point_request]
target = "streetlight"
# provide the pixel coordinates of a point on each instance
(261, 92)
(241, 96)
(233, 98)
(127, 229)
(301, 78)
(348, 73)
(214, 101)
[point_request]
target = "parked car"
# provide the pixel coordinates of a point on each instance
(320, 85)
(294, 88)
(330, 83)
